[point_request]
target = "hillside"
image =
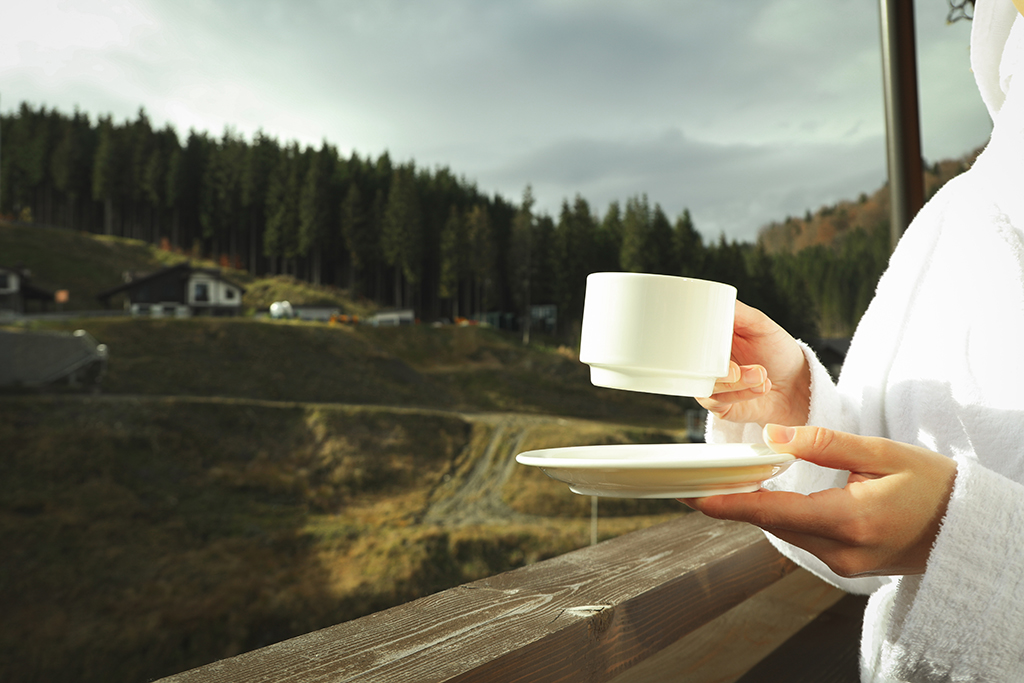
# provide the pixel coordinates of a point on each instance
(146, 536)
(830, 225)
(239, 481)
(455, 368)
(165, 532)
(86, 264)
(829, 262)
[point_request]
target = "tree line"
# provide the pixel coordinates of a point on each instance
(389, 232)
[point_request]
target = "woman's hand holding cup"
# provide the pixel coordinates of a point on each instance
(674, 336)
(769, 379)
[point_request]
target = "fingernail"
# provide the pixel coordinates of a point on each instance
(734, 374)
(753, 376)
(778, 434)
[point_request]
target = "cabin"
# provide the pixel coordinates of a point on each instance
(544, 318)
(321, 314)
(179, 291)
(284, 310)
(404, 316)
(17, 293)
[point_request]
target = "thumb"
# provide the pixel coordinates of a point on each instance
(826, 447)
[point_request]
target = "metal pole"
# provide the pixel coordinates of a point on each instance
(593, 520)
(902, 125)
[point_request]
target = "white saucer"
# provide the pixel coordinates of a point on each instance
(672, 470)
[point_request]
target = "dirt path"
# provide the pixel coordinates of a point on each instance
(474, 497)
(472, 492)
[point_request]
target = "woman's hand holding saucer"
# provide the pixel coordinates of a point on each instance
(883, 522)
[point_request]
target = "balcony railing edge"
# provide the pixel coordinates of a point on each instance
(587, 615)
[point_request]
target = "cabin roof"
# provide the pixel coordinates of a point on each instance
(25, 286)
(182, 270)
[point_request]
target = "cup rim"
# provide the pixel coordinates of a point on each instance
(632, 274)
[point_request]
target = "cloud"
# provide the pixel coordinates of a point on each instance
(733, 189)
(780, 100)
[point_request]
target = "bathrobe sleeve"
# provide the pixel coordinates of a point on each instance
(963, 619)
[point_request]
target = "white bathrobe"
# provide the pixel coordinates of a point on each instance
(938, 361)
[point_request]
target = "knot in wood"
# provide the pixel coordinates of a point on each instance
(587, 610)
(599, 618)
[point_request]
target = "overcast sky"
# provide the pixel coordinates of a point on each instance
(744, 111)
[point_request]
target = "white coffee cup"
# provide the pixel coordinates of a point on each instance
(657, 333)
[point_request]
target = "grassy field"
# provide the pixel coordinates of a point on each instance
(457, 368)
(241, 481)
(145, 536)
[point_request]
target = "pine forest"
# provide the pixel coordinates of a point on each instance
(402, 236)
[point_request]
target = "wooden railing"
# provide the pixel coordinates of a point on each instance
(588, 615)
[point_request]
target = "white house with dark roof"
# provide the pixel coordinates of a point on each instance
(17, 291)
(179, 291)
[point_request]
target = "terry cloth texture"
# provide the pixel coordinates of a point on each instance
(938, 361)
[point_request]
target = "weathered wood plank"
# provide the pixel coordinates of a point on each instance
(827, 650)
(583, 616)
(726, 648)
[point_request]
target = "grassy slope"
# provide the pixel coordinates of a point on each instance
(148, 536)
(83, 264)
(218, 496)
(166, 548)
(86, 264)
(458, 368)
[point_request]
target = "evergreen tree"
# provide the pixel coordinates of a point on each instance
(28, 143)
(454, 258)
(261, 157)
(791, 308)
(482, 249)
(107, 172)
(687, 246)
(138, 139)
(660, 255)
(172, 193)
(189, 174)
(544, 284)
(725, 262)
(361, 240)
(220, 196)
(315, 209)
(608, 242)
(155, 182)
(635, 254)
(280, 238)
(521, 260)
(71, 167)
(439, 192)
(576, 248)
(375, 182)
(401, 240)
